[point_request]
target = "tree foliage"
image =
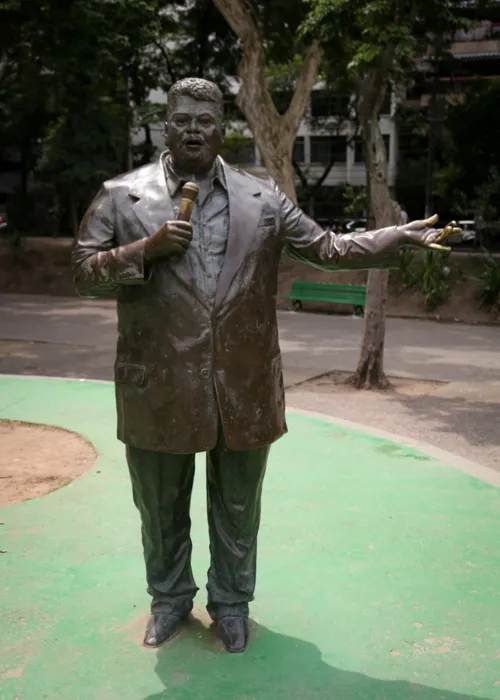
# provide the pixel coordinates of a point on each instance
(70, 72)
(76, 79)
(359, 33)
(469, 174)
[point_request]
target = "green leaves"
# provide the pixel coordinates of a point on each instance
(72, 74)
(357, 33)
(488, 284)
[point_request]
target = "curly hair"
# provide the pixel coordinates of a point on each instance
(198, 89)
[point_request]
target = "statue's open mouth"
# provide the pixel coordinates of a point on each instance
(193, 143)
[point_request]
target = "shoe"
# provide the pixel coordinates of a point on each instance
(233, 633)
(161, 628)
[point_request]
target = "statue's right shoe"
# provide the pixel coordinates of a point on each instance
(161, 628)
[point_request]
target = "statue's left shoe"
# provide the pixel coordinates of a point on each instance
(233, 633)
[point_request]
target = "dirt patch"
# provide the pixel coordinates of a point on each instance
(336, 382)
(37, 459)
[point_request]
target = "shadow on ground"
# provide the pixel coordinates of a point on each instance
(283, 668)
(476, 421)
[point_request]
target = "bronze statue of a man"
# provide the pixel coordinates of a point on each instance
(198, 366)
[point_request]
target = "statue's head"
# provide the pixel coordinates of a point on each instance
(194, 129)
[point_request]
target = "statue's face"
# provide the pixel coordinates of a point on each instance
(194, 134)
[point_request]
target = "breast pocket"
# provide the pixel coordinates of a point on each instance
(266, 227)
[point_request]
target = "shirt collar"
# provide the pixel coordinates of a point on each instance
(175, 182)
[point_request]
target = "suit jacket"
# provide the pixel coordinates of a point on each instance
(180, 361)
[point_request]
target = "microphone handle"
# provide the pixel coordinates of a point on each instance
(189, 193)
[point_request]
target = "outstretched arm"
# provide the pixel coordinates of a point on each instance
(308, 242)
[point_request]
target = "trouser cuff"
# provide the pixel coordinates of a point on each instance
(217, 612)
(167, 607)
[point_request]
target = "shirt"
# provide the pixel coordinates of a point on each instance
(210, 221)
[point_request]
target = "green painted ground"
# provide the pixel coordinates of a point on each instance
(379, 575)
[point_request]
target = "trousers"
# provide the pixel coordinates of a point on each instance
(161, 487)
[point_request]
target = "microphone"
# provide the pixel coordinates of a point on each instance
(189, 193)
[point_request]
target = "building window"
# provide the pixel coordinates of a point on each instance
(298, 154)
(328, 149)
(359, 149)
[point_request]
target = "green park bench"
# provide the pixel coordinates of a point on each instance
(350, 294)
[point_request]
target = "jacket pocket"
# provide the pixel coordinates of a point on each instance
(130, 374)
(266, 226)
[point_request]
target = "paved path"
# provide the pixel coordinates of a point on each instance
(75, 337)
(378, 575)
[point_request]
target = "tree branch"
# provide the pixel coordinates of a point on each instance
(374, 84)
(274, 134)
(300, 175)
(323, 177)
(238, 15)
(303, 88)
(164, 53)
(253, 90)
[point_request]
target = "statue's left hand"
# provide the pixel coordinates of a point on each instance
(421, 234)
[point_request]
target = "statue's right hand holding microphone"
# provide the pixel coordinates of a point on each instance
(174, 237)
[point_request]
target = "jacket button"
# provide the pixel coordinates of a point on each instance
(205, 373)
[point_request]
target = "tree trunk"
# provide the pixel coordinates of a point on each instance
(370, 370)
(274, 134)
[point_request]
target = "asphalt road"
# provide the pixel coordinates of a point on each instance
(74, 337)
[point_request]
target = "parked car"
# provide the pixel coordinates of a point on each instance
(356, 226)
(468, 236)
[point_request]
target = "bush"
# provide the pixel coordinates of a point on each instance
(435, 280)
(430, 272)
(488, 288)
(407, 274)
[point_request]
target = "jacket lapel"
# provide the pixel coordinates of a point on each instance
(245, 207)
(153, 207)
